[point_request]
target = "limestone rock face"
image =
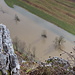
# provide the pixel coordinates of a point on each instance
(8, 59)
(58, 61)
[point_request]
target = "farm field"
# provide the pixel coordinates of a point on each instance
(59, 12)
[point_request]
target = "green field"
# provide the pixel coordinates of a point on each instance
(59, 12)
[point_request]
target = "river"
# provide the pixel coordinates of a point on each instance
(29, 30)
(50, 26)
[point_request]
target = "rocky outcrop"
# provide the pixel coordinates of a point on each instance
(57, 61)
(8, 59)
(53, 66)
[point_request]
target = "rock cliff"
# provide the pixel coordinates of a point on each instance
(8, 59)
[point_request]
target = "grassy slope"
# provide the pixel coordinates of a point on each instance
(56, 18)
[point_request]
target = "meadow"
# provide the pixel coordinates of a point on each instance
(59, 12)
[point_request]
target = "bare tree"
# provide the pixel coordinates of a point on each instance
(59, 43)
(24, 49)
(1, 9)
(34, 50)
(17, 19)
(19, 45)
(16, 42)
(30, 52)
(70, 58)
(44, 34)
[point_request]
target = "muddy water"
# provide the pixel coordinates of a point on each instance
(45, 24)
(30, 28)
(53, 31)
